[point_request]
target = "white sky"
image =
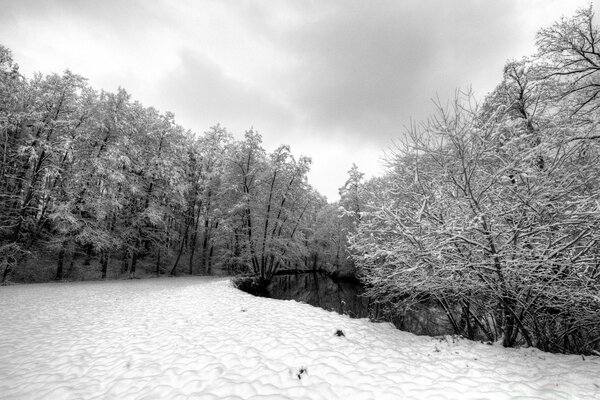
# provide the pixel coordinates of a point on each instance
(337, 80)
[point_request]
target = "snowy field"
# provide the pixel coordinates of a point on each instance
(201, 338)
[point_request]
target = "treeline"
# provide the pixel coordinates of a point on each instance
(94, 177)
(492, 211)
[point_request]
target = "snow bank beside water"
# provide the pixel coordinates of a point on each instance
(201, 338)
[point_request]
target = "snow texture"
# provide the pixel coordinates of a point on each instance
(200, 338)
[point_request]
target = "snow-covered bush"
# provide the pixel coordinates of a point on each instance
(495, 217)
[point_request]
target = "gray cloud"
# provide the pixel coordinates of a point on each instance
(203, 95)
(350, 72)
(365, 69)
(115, 15)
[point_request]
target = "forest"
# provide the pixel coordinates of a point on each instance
(489, 209)
(95, 178)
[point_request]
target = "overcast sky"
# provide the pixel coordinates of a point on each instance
(337, 80)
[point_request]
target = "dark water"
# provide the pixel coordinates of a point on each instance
(347, 298)
(322, 291)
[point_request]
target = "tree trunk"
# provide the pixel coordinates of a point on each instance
(209, 269)
(7, 270)
(194, 239)
(134, 258)
(125, 263)
(203, 257)
(263, 258)
(158, 264)
(174, 269)
(59, 268)
(70, 270)
(104, 262)
(88, 254)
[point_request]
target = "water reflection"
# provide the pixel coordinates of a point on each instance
(320, 290)
(347, 298)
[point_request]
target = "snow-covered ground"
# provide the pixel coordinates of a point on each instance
(201, 338)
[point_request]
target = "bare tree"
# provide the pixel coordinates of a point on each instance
(471, 221)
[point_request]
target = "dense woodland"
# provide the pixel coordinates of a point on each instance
(489, 209)
(94, 178)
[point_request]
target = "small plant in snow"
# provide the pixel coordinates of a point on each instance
(301, 371)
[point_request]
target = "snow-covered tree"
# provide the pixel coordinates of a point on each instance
(473, 221)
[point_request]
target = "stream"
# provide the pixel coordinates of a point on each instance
(320, 290)
(347, 297)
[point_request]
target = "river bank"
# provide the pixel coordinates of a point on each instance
(200, 337)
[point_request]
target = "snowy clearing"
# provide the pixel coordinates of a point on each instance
(201, 338)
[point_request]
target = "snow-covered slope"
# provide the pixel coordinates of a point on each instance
(201, 338)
